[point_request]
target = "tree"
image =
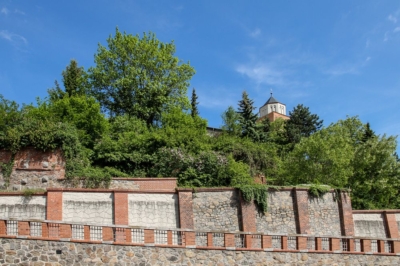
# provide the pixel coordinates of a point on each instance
(301, 124)
(324, 157)
(75, 82)
(74, 79)
(194, 103)
(247, 119)
(231, 121)
(139, 77)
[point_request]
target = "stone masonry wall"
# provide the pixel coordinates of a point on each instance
(33, 168)
(280, 217)
(92, 208)
(324, 215)
(21, 207)
(217, 210)
(369, 225)
(45, 253)
(153, 210)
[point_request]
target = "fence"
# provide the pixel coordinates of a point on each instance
(126, 235)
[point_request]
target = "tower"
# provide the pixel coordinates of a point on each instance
(273, 109)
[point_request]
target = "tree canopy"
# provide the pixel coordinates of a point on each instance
(139, 76)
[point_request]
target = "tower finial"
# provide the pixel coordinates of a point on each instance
(271, 92)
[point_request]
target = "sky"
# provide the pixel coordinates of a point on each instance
(339, 58)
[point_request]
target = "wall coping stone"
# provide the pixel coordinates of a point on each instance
(375, 211)
(102, 190)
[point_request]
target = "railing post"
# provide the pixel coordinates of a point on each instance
(148, 236)
(381, 246)
(107, 234)
(190, 239)
(318, 243)
(350, 245)
(128, 235)
(266, 241)
(248, 241)
(396, 246)
(210, 240)
(45, 230)
(3, 228)
(284, 242)
(301, 243)
(169, 237)
(334, 244)
(86, 233)
(365, 245)
(229, 240)
(23, 228)
(65, 231)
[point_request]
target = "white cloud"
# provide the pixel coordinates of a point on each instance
(386, 37)
(255, 33)
(396, 29)
(348, 68)
(13, 38)
(4, 11)
(392, 18)
(17, 11)
(262, 74)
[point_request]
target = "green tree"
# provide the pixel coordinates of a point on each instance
(194, 104)
(139, 77)
(75, 80)
(375, 183)
(324, 157)
(301, 124)
(247, 119)
(231, 121)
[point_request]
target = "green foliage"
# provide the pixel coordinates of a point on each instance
(231, 121)
(375, 183)
(325, 157)
(301, 124)
(139, 77)
(256, 192)
(29, 192)
(194, 103)
(6, 169)
(247, 119)
(318, 190)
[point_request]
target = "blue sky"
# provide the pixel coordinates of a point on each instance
(336, 57)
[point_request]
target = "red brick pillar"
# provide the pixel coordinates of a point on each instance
(23, 228)
(249, 210)
(86, 232)
(108, 234)
(229, 240)
(346, 214)
(190, 238)
(45, 230)
(391, 225)
(210, 240)
(3, 228)
(266, 241)
(365, 245)
(121, 208)
(186, 208)
(54, 205)
(284, 242)
(303, 220)
(392, 230)
(65, 231)
(148, 236)
(301, 243)
(334, 244)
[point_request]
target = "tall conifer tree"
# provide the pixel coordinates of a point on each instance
(194, 103)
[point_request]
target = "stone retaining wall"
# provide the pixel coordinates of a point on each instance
(217, 210)
(46, 253)
(280, 217)
(324, 215)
